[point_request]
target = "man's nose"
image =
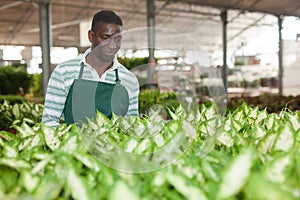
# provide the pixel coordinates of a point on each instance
(111, 43)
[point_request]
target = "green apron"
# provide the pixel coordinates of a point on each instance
(85, 97)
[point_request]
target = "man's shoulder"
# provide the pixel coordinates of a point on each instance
(72, 62)
(123, 69)
(69, 66)
(127, 72)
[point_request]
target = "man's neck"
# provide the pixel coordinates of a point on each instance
(99, 65)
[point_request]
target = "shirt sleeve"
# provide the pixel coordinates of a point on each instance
(133, 109)
(55, 99)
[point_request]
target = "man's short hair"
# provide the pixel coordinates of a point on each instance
(107, 17)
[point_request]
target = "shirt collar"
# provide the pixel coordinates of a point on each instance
(115, 61)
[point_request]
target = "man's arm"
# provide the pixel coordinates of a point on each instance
(55, 99)
(133, 109)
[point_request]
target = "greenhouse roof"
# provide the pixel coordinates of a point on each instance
(198, 19)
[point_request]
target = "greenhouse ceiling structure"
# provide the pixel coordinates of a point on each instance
(199, 19)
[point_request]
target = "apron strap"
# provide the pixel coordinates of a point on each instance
(81, 70)
(117, 76)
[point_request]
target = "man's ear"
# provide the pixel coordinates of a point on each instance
(91, 35)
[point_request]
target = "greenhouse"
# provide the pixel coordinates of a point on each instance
(150, 99)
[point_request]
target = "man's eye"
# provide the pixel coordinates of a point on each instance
(117, 39)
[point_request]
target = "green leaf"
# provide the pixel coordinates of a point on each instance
(25, 142)
(225, 138)
(16, 122)
(124, 124)
(92, 124)
(79, 189)
(238, 114)
(15, 163)
(42, 164)
(70, 144)
(26, 107)
(143, 146)
(131, 144)
(269, 122)
(172, 114)
(35, 113)
(253, 113)
(275, 170)
(189, 191)
(121, 190)
(285, 139)
(153, 127)
(50, 137)
(246, 108)
(210, 127)
(16, 111)
(38, 107)
(155, 115)
(87, 160)
(207, 146)
(10, 151)
(34, 142)
(258, 132)
(8, 180)
(101, 119)
(24, 130)
(189, 129)
(29, 181)
(261, 116)
(139, 128)
(6, 104)
(208, 171)
(63, 129)
(159, 140)
(29, 121)
(235, 123)
(49, 190)
(210, 113)
(236, 174)
(266, 144)
(293, 120)
(7, 135)
(259, 187)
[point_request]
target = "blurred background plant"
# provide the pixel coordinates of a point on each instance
(14, 80)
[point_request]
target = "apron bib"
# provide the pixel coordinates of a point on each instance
(85, 97)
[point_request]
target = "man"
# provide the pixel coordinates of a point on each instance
(95, 81)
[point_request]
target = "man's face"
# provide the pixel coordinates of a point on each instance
(106, 40)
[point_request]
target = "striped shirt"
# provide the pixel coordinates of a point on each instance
(63, 76)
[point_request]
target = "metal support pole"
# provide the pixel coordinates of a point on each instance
(45, 40)
(151, 38)
(224, 69)
(280, 53)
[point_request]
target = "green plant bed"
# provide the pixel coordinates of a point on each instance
(18, 113)
(153, 98)
(247, 154)
(12, 99)
(273, 103)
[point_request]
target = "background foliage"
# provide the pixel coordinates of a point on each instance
(14, 80)
(131, 63)
(272, 102)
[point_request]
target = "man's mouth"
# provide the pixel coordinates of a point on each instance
(110, 53)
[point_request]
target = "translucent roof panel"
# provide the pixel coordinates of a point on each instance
(200, 20)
